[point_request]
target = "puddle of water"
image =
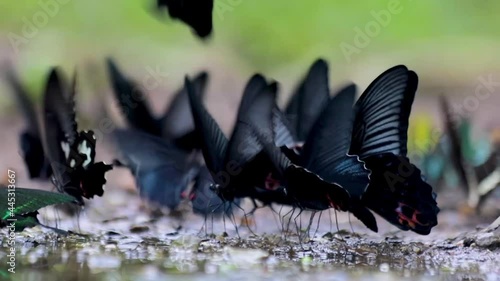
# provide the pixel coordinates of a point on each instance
(44, 255)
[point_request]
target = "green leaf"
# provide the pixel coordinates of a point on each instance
(28, 200)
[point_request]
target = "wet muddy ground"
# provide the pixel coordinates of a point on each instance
(116, 238)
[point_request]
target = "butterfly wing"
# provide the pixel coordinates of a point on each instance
(161, 170)
(397, 191)
(242, 146)
(30, 139)
(309, 99)
(132, 101)
(177, 122)
(214, 143)
(325, 152)
(57, 128)
(382, 113)
(297, 179)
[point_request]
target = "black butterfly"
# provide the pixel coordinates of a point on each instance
(325, 152)
(195, 13)
(238, 166)
(311, 179)
(30, 139)
(159, 148)
(397, 191)
(71, 153)
(175, 124)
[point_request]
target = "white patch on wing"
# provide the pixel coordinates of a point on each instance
(65, 148)
(86, 150)
(72, 163)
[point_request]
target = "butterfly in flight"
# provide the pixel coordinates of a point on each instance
(195, 13)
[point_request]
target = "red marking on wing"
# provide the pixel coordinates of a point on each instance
(413, 221)
(271, 183)
(332, 203)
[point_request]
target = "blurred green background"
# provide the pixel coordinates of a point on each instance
(446, 42)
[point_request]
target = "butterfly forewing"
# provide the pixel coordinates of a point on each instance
(214, 142)
(382, 114)
(132, 101)
(177, 121)
(309, 99)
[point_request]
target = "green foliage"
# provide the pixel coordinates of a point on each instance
(28, 201)
(263, 35)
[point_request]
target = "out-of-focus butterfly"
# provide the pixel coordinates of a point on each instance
(195, 13)
(30, 139)
(158, 148)
(19, 207)
(477, 165)
(176, 123)
(71, 152)
(309, 100)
